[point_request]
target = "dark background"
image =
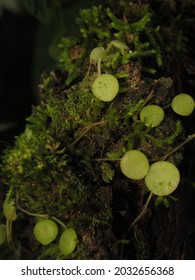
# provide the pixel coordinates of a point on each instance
(27, 48)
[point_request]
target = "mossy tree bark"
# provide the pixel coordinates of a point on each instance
(69, 152)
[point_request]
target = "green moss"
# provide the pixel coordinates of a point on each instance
(58, 166)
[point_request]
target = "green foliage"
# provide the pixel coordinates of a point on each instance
(107, 172)
(98, 27)
(115, 155)
(137, 31)
(93, 23)
(67, 161)
(165, 200)
(169, 140)
(66, 59)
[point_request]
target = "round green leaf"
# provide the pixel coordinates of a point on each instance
(183, 104)
(9, 209)
(163, 178)
(45, 231)
(68, 241)
(119, 45)
(152, 115)
(105, 87)
(96, 54)
(134, 165)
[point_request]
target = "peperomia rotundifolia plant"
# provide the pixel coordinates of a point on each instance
(107, 119)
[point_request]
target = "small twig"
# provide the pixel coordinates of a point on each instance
(142, 212)
(88, 127)
(144, 208)
(106, 159)
(167, 106)
(148, 98)
(190, 137)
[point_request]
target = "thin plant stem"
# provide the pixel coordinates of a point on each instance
(167, 106)
(144, 208)
(9, 238)
(8, 229)
(88, 127)
(59, 222)
(45, 216)
(106, 159)
(148, 98)
(142, 212)
(190, 137)
(99, 66)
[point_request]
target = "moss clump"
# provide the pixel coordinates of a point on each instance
(66, 163)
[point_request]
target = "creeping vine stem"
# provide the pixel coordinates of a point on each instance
(45, 216)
